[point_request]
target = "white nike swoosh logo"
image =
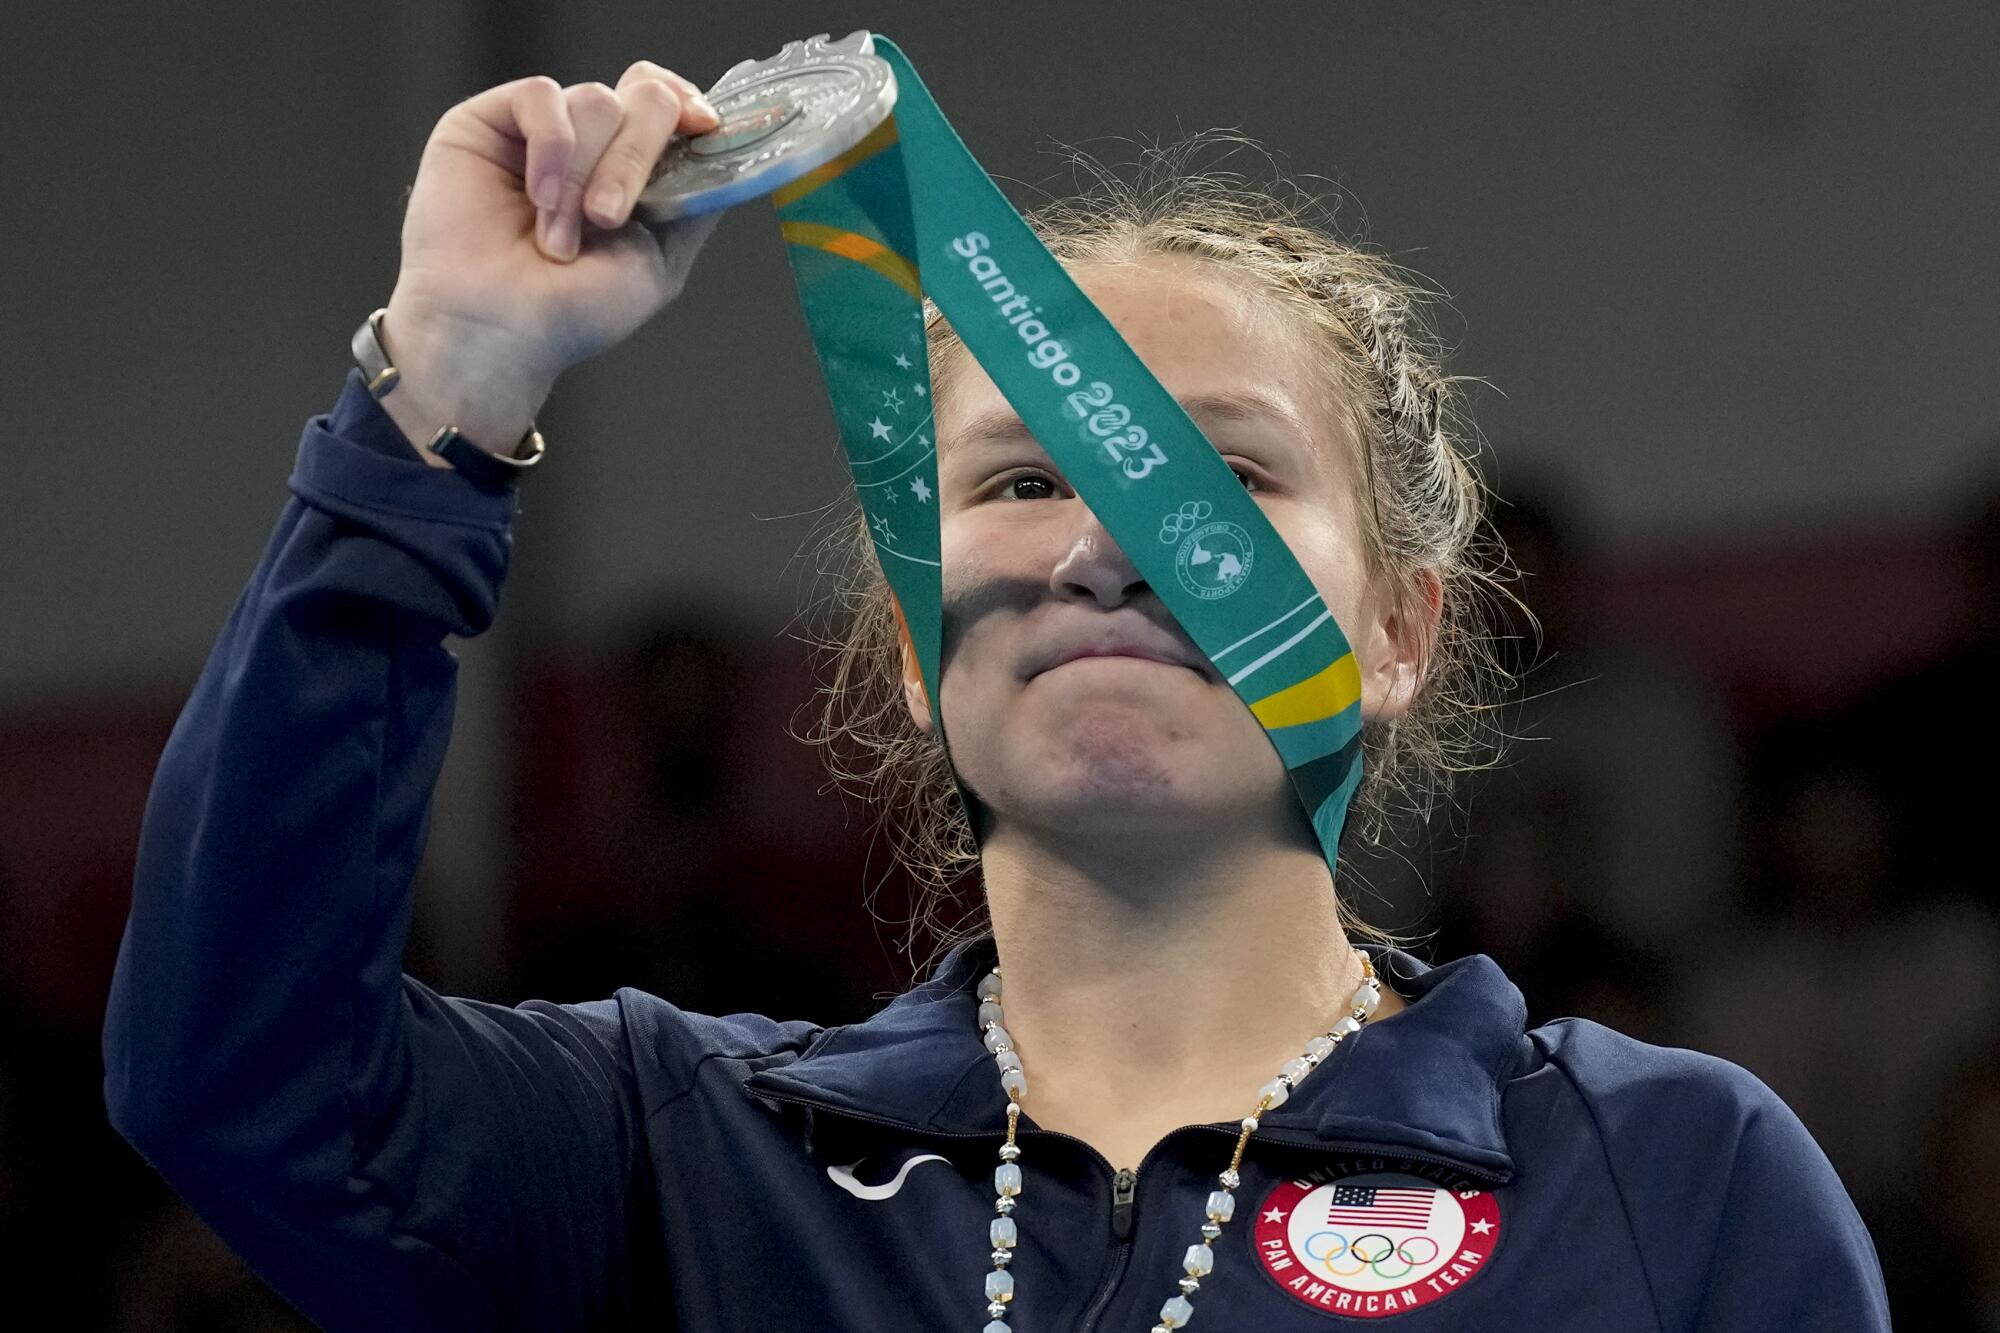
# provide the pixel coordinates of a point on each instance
(843, 1176)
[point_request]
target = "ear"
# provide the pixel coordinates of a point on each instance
(1408, 634)
(914, 695)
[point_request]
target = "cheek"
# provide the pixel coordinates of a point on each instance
(1328, 557)
(981, 589)
(961, 550)
(996, 554)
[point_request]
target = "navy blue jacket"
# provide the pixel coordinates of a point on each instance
(388, 1157)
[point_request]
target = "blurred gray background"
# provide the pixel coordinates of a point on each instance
(1731, 267)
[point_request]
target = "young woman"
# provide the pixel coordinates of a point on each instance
(1188, 1093)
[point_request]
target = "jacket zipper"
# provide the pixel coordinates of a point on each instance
(1124, 1186)
(1124, 1191)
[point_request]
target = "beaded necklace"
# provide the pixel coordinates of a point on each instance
(1200, 1259)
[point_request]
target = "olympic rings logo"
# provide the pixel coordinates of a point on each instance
(1183, 520)
(1370, 1251)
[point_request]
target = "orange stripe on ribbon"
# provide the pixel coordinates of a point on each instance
(861, 249)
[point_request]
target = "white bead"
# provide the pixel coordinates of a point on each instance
(1013, 1108)
(1003, 1233)
(1007, 1180)
(1276, 1090)
(1176, 1312)
(1200, 1261)
(1014, 1083)
(996, 1037)
(1319, 1048)
(1296, 1070)
(1221, 1205)
(1007, 1059)
(1346, 1027)
(989, 1012)
(989, 987)
(997, 1326)
(1250, 1123)
(999, 1286)
(1365, 1000)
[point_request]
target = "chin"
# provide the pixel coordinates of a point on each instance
(1116, 770)
(1123, 757)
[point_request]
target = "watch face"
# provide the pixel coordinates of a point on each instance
(781, 118)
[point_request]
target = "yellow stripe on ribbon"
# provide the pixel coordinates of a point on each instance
(878, 138)
(1313, 699)
(861, 249)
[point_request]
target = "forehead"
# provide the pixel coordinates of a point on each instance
(1226, 351)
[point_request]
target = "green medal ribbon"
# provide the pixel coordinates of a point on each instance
(865, 248)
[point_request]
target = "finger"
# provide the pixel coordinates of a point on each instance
(543, 112)
(531, 112)
(595, 113)
(689, 90)
(654, 110)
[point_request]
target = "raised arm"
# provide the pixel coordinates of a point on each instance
(385, 1156)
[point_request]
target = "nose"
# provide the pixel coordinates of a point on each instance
(1093, 566)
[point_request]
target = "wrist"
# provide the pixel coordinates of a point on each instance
(452, 376)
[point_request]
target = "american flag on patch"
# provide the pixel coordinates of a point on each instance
(1364, 1206)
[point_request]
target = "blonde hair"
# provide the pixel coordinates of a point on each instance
(1423, 508)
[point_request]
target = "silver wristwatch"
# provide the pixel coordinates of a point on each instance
(482, 465)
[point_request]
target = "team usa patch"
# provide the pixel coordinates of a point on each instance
(1373, 1245)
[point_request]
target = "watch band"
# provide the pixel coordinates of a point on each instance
(486, 470)
(490, 471)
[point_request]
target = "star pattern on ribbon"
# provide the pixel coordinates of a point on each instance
(919, 488)
(893, 401)
(880, 428)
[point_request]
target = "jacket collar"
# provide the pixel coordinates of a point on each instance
(1428, 1081)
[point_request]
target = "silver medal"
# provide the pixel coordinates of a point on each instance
(781, 117)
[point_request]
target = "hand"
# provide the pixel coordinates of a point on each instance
(519, 256)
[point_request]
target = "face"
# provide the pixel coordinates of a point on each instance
(1128, 744)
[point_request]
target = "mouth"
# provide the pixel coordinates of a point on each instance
(1121, 657)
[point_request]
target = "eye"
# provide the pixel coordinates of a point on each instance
(1006, 487)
